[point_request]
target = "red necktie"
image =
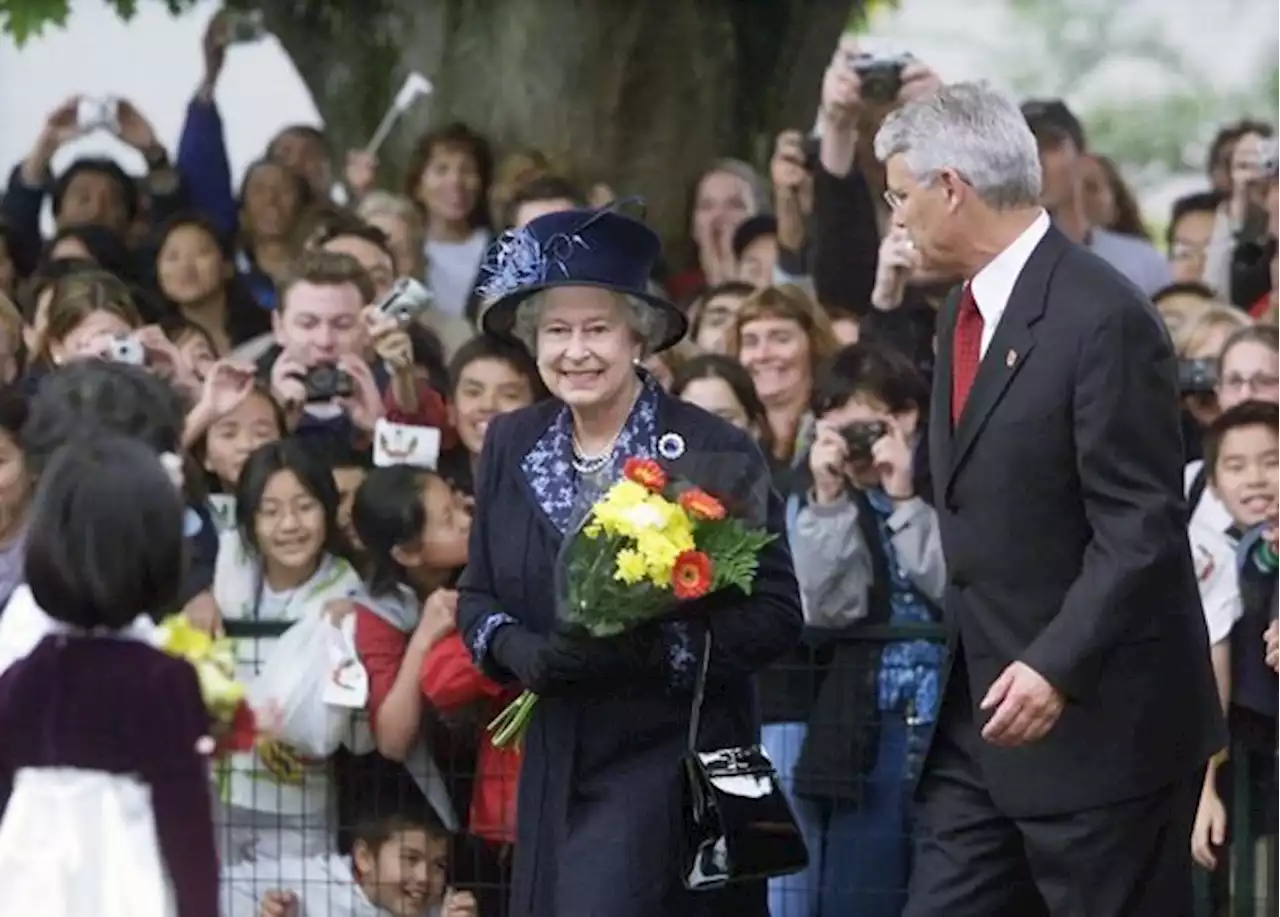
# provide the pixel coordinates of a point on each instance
(966, 352)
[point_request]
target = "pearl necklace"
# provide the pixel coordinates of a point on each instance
(591, 464)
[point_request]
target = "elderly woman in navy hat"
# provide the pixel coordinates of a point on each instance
(600, 811)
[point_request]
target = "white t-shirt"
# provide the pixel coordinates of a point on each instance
(1213, 551)
(452, 269)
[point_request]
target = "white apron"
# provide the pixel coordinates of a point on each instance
(78, 842)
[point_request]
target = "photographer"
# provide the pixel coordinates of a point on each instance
(867, 552)
(1254, 257)
(317, 371)
(1199, 344)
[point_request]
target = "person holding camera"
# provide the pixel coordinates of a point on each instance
(867, 553)
(318, 372)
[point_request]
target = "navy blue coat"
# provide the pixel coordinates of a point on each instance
(600, 815)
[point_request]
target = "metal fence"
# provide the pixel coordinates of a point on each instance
(1245, 884)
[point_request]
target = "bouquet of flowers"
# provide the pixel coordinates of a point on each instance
(235, 725)
(646, 545)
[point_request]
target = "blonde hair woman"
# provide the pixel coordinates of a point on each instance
(1200, 340)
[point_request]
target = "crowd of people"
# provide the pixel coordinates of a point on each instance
(264, 335)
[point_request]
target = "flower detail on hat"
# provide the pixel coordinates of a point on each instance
(517, 260)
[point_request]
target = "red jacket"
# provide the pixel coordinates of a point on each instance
(450, 680)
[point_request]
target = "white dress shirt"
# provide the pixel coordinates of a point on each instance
(993, 285)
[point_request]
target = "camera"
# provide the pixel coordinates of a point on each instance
(811, 148)
(92, 114)
(244, 27)
(125, 349)
(861, 435)
(326, 382)
(880, 75)
(1196, 377)
(406, 300)
(1268, 161)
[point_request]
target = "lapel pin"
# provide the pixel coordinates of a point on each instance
(1010, 358)
(671, 446)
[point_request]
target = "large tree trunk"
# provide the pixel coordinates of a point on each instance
(643, 94)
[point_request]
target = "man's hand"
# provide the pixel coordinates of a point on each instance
(287, 387)
(364, 406)
(214, 48)
(891, 456)
(828, 457)
(1210, 828)
(134, 129)
(898, 259)
(279, 904)
(1026, 707)
(917, 80)
(60, 126)
(841, 104)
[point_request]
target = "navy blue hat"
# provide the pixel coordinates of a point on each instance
(575, 248)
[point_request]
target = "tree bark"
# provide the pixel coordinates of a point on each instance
(643, 94)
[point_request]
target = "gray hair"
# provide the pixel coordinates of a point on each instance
(384, 203)
(646, 322)
(975, 130)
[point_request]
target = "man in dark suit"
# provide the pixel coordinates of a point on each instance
(1079, 709)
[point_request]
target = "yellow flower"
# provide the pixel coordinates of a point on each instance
(213, 660)
(631, 567)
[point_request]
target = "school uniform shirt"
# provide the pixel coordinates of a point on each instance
(1214, 555)
(324, 887)
(291, 786)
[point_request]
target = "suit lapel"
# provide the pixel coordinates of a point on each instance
(1012, 342)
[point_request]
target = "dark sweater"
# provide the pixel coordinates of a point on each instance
(53, 714)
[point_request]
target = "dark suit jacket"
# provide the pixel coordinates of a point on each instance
(600, 799)
(1059, 497)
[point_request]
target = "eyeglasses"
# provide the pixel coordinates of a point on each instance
(894, 199)
(1255, 384)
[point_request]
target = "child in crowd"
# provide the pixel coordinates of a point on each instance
(415, 528)
(490, 377)
(398, 867)
(1242, 456)
(106, 739)
(284, 561)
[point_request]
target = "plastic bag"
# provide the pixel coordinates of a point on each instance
(292, 682)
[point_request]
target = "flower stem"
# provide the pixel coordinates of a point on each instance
(509, 725)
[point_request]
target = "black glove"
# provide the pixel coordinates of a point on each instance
(520, 651)
(576, 659)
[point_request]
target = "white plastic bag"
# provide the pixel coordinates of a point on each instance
(292, 682)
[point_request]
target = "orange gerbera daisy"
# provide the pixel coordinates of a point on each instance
(701, 505)
(691, 575)
(645, 472)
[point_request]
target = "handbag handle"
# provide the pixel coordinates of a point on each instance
(699, 693)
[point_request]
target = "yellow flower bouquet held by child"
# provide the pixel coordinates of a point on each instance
(649, 543)
(235, 726)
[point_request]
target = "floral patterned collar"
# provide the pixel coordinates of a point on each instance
(548, 466)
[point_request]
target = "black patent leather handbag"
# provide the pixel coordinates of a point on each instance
(739, 824)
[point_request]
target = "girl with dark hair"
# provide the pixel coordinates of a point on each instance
(128, 774)
(196, 273)
(285, 561)
(415, 529)
(720, 386)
